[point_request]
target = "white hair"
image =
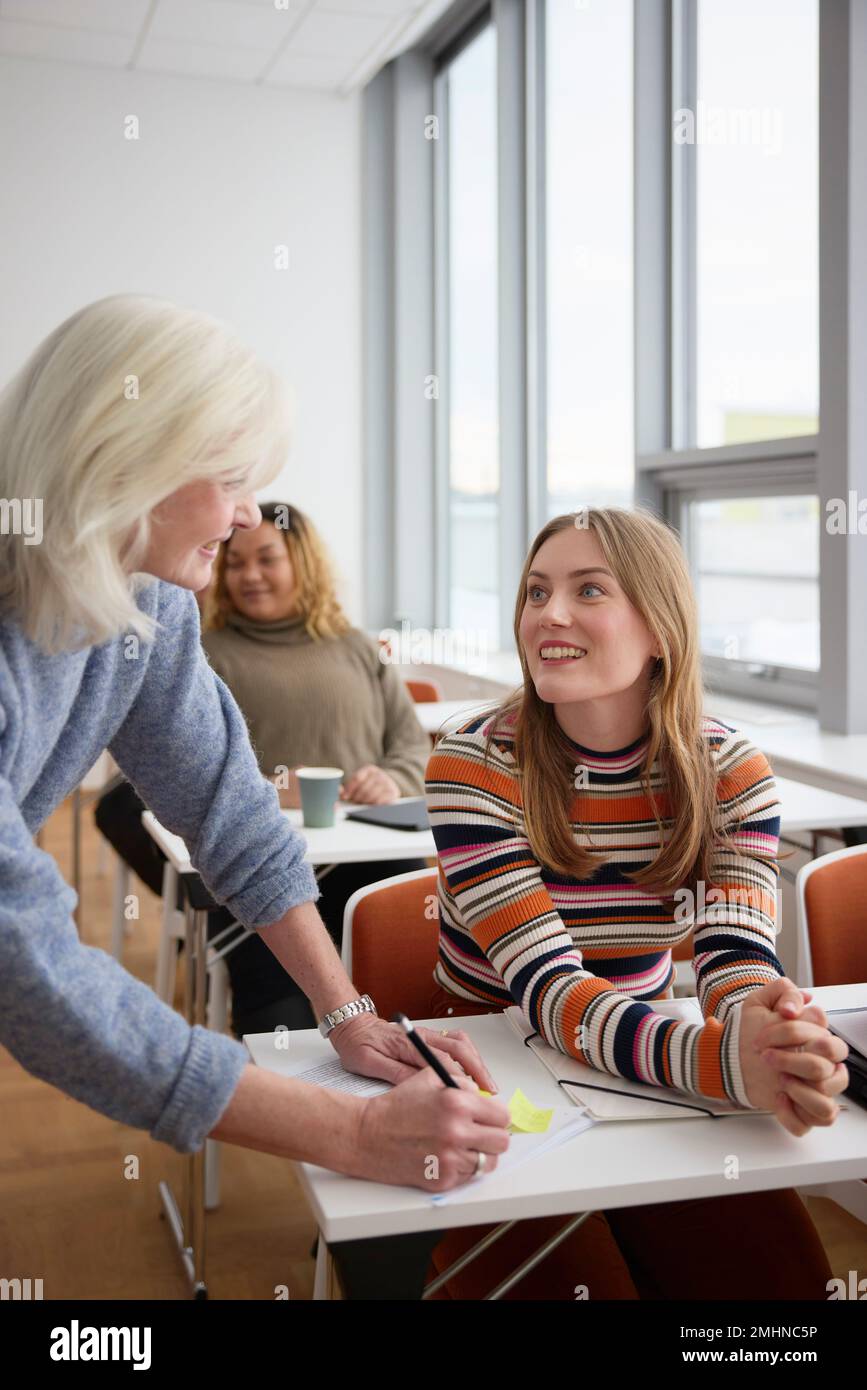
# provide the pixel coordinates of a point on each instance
(126, 401)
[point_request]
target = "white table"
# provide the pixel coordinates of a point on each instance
(834, 765)
(811, 808)
(345, 842)
(436, 715)
(611, 1165)
(794, 744)
(804, 808)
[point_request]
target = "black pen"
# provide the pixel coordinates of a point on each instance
(425, 1051)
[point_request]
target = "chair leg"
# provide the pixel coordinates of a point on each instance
(171, 931)
(118, 903)
(213, 1160)
(218, 1018)
(218, 1003)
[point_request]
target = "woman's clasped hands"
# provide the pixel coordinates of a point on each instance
(791, 1062)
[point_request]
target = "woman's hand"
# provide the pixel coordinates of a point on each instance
(826, 1046)
(371, 1047)
(791, 1065)
(371, 786)
(428, 1135)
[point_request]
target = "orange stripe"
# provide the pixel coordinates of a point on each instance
(511, 915)
(716, 994)
(577, 1001)
(738, 779)
(710, 1080)
(450, 767)
(607, 952)
(627, 808)
(740, 895)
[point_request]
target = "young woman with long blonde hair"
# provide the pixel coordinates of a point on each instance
(570, 824)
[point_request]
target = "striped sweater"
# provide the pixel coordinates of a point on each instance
(582, 956)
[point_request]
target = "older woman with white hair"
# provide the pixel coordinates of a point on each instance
(142, 430)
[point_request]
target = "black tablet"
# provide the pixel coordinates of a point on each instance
(397, 815)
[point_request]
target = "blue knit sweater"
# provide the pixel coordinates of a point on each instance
(68, 1012)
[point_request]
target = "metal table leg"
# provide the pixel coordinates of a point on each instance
(189, 1232)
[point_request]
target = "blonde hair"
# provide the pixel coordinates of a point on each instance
(315, 594)
(646, 558)
(127, 400)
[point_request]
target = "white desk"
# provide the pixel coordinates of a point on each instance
(437, 715)
(791, 739)
(611, 1165)
(345, 842)
(813, 808)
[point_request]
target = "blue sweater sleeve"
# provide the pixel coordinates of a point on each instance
(71, 1015)
(186, 749)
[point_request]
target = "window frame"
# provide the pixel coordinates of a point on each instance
(400, 453)
(673, 470)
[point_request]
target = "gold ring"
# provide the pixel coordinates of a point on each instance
(480, 1164)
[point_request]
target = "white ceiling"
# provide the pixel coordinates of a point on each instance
(330, 45)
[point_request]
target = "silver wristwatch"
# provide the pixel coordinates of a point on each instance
(364, 1005)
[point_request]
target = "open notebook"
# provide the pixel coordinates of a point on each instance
(607, 1097)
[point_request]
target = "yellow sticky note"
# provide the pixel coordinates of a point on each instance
(526, 1117)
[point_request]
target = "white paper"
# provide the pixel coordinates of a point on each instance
(335, 1077)
(565, 1125)
(851, 1025)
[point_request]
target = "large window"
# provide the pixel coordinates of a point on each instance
(744, 379)
(470, 266)
(588, 243)
(755, 134)
(756, 563)
(625, 304)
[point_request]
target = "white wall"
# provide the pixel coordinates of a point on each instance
(192, 210)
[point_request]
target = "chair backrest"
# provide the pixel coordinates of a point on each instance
(684, 950)
(832, 918)
(390, 935)
(424, 692)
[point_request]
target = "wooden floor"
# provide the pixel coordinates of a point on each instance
(69, 1215)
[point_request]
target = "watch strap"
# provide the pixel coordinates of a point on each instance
(364, 1005)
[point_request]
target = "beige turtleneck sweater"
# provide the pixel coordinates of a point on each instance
(328, 702)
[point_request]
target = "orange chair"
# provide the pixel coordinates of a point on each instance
(832, 950)
(390, 934)
(424, 692)
(832, 919)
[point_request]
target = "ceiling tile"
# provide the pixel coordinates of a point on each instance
(66, 45)
(295, 70)
(292, 6)
(200, 59)
(226, 22)
(106, 15)
(397, 9)
(326, 34)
